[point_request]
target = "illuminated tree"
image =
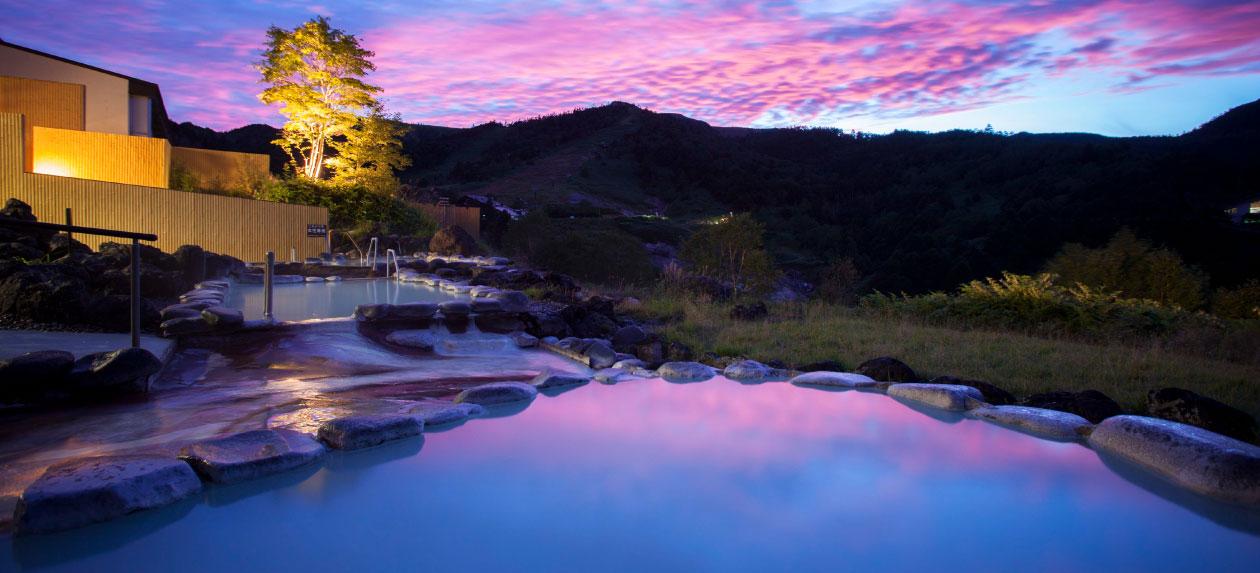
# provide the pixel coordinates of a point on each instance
(316, 74)
(370, 152)
(732, 250)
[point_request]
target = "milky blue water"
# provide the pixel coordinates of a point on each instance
(331, 299)
(712, 476)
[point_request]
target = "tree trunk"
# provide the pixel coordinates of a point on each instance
(314, 167)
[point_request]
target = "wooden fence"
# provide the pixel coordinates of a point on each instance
(243, 228)
(467, 218)
(221, 170)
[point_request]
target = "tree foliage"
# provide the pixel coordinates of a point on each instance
(371, 153)
(316, 74)
(732, 250)
(1133, 267)
(587, 250)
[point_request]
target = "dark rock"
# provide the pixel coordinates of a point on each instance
(16, 209)
(512, 301)
(626, 338)
(992, 394)
(1089, 404)
(454, 240)
(441, 412)
(594, 325)
(676, 351)
(418, 339)
(61, 246)
(600, 355)
(685, 371)
(1187, 407)
(192, 262)
(455, 308)
(183, 310)
(221, 317)
(498, 322)
(822, 366)
(446, 273)
(42, 295)
(30, 376)
(123, 371)
(20, 251)
(185, 326)
(497, 393)
(148, 255)
(650, 351)
(487, 305)
(356, 432)
(524, 339)
(887, 369)
(547, 380)
(251, 455)
(113, 312)
(754, 311)
(80, 492)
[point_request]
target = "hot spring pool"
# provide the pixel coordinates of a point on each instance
(713, 476)
(331, 299)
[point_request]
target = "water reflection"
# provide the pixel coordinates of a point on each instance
(716, 476)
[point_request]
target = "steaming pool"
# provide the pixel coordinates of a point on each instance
(331, 299)
(653, 476)
(643, 475)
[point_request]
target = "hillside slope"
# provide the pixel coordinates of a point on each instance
(915, 211)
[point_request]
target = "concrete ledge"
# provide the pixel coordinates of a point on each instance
(1193, 458)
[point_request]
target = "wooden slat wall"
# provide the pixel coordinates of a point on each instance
(468, 218)
(243, 228)
(102, 156)
(221, 170)
(43, 103)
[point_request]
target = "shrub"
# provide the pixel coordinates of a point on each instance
(840, 282)
(1241, 302)
(352, 208)
(1133, 267)
(732, 250)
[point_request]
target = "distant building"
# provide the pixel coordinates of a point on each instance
(75, 136)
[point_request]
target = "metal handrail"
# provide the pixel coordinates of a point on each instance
(373, 251)
(391, 255)
(135, 259)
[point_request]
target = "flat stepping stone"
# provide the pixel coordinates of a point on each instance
(438, 413)
(251, 455)
(418, 339)
(1196, 459)
(497, 393)
(357, 432)
(835, 380)
(752, 371)
(685, 371)
(80, 492)
(544, 381)
(1049, 424)
(950, 397)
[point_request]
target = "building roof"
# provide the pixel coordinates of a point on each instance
(135, 86)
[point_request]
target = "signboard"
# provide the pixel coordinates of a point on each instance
(316, 230)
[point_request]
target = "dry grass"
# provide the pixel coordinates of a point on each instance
(1022, 364)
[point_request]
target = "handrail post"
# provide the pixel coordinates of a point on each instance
(69, 224)
(268, 273)
(135, 293)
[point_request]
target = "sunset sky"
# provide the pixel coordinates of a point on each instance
(1118, 67)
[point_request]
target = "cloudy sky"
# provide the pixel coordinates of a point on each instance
(1118, 67)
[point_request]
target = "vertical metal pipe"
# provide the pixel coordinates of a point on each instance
(268, 273)
(69, 223)
(135, 293)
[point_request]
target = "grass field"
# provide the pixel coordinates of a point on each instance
(1022, 364)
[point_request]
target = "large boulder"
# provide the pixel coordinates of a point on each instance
(499, 322)
(685, 371)
(992, 394)
(356, 432)
(1196, 459)
(454, 240)
(943, 396)
(192, 262)
(1049, 424)
(417, 339)
(18, 210)
(41, 294)
(29, 376)
(835, 380)
(60, 246)
(1089, 404)
(497, 393)
(125, 371)
(599, 355)
(887, 369)
(441, 412)
(251, 455)
(751, 371)
(626, 338)
(80, 492)
(1187, 407)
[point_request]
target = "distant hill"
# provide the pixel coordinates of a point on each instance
(915, 211)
